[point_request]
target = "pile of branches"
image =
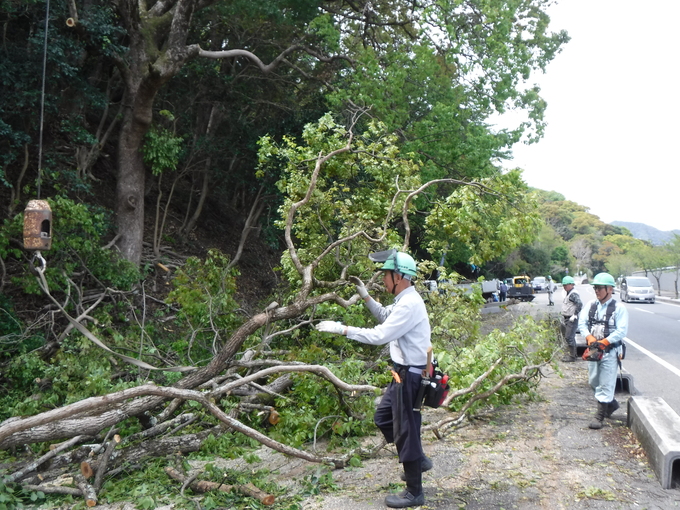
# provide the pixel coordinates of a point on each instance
(86, 458)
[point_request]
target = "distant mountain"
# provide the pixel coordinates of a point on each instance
(647, 233)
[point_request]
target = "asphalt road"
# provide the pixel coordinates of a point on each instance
(653, 341)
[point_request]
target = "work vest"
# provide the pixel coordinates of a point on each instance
(606, 324)
(600, 328)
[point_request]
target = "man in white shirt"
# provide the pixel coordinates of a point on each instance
(405, 325)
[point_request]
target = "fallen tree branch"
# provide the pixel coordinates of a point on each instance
(449, 422)
(103, 463)
(18, 475)
(54, 489)
(96, 404)
(205, 486)
(86, 489)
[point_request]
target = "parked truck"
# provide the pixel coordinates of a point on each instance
(490, 289)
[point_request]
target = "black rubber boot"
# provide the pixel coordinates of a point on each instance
(425, 465)
(413, 495)
(611, 407)
(571, 356)
(599, 416)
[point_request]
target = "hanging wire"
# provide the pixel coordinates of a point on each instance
(42, 97)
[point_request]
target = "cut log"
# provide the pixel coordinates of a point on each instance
(205, 486)
(87, 490)
(86, 470)
(104, 461)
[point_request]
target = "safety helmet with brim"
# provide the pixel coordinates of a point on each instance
(567, 280)
(603, 279)
(397, 261)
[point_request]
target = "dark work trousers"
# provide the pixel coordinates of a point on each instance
(408, 441)
(569, 330)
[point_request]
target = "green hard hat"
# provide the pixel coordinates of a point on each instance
(402, 263)
(603, 279)
(567, 280)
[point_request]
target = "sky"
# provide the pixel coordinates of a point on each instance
(613, 136)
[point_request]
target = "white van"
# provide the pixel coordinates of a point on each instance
(637, 288)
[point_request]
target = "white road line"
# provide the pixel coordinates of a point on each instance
(660, 361)
(643, 310)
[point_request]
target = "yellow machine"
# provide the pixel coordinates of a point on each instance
(521, 288)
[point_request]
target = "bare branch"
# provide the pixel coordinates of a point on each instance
(265, 68)
(509, 378)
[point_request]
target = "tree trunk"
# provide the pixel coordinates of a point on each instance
(131, 172)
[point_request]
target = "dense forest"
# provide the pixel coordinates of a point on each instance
(215, 171)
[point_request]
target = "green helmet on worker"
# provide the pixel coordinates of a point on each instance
(603, 279)
(396, 261)
(568, 280)
(401, 263)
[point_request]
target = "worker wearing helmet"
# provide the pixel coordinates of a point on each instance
(551, 289)
(405, 326)
(571, 306)
(604, 322)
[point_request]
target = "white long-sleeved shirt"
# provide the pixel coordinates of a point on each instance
(404, 324)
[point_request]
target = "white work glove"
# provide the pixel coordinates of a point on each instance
(573, 318)
(360, 286)
(331, 327)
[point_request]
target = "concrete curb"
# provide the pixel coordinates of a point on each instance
(656, 427)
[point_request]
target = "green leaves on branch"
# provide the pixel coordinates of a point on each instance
(489, 220)
(353, 192)
(205, 291)
(162, 148)
(527, 343)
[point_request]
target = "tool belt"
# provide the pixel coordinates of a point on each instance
(433, 386)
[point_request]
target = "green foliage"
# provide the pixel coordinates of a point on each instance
(15, 337)
(317, 483)
(353, 192)
(205, 291)
(454, 313)
(162, 149)
(315, 409)
(141, 486)
(527, 343)
(13, 497)
(77, 371)
(489, 220)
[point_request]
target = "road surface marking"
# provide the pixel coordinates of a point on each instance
(646, 311)
(660, 361)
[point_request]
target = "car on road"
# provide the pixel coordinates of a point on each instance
(637, 289)
(539, 283)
